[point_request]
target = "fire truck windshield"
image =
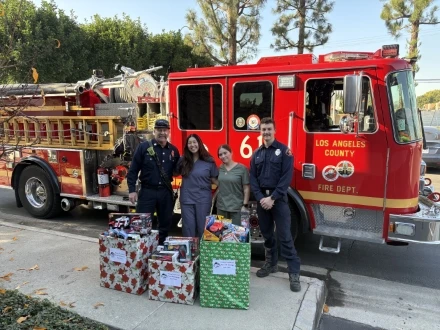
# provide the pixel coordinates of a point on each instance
(406, 123)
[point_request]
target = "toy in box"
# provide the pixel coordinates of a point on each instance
(225, 259)
(129, 225)
(222, 230)
(174, 282)
(124, 263)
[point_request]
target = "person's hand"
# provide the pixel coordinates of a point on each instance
(267, 203)
(133, 197)
(270, 203)
(244, 209)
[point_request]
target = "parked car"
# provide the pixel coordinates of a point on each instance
(431, 155)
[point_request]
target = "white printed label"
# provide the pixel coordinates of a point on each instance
(223, 267)
(171, 278)
(118, 255)
(102, 178)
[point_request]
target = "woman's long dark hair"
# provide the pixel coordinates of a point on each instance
(188, 163)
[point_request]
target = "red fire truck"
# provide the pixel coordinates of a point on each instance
(350, 119)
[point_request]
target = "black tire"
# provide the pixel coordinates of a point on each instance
(50, 204)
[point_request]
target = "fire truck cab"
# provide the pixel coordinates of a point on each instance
(352, 123)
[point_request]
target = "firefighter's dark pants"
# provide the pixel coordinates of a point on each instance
(278, 215)
(158, 199)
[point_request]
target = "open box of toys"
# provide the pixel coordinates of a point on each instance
(124, 250)
(173, 271)
(225, 260)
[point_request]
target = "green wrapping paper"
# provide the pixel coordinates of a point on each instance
(225, 274)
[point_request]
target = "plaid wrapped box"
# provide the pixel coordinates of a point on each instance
(224, 274)
(173, 281)
(124, 263)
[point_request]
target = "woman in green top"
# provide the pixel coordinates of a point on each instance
(233, 186)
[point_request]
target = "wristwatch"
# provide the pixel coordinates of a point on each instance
(246, 205)
(272, 198)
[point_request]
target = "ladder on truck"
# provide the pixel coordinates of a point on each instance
(71, 132)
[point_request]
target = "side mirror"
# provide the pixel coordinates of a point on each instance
(352, 85)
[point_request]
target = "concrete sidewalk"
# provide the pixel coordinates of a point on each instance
(272, 304)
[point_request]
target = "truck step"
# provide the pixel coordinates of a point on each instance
(327, 248)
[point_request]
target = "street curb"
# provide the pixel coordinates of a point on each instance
(48, 231)
(312, 302)
(311, 306)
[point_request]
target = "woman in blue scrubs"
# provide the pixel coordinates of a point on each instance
(199, 171)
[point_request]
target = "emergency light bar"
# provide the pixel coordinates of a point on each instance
(346, 56)
(390, 50)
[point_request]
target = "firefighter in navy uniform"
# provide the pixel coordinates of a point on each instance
(154, 193)
(270, 175)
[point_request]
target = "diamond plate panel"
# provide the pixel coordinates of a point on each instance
(116, 109)
(343, 217)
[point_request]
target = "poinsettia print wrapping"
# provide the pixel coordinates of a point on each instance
(131, 277)
(186, 293)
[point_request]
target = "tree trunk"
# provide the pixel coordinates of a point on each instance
(232, 36)
(413, 50)
(302, 24)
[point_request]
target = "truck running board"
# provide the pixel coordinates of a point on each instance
(329, 249)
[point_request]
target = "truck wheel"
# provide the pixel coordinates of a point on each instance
(37, 193)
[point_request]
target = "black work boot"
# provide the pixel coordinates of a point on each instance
(295, 285)
(267, 267)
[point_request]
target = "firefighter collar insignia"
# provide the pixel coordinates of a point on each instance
(277, 152)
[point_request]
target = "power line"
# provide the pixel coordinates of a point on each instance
(366, 40)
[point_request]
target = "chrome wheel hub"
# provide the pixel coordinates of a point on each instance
(35, 192)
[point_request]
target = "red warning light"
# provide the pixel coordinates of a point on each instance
(390, 50)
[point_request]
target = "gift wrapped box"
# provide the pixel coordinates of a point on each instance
(224, 274)
(173, 281)
(124, 263)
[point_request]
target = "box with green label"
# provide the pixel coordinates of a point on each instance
(225, 274)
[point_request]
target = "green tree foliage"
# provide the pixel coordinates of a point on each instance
(229, 31)
(429, 97)
(62, 50)
(14, 29)
(308, 17)
(170, 51)
(113, 40)
(44, 38)
(409, 15)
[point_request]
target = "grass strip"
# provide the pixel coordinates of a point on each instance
(18, 311)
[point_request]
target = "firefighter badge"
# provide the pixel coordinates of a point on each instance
(277, 152)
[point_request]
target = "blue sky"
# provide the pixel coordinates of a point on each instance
(356, 26)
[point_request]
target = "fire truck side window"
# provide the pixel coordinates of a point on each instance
(252, 99)
(324, 106)
(200, 107)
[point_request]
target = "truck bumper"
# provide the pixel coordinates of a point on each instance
(420, 227)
